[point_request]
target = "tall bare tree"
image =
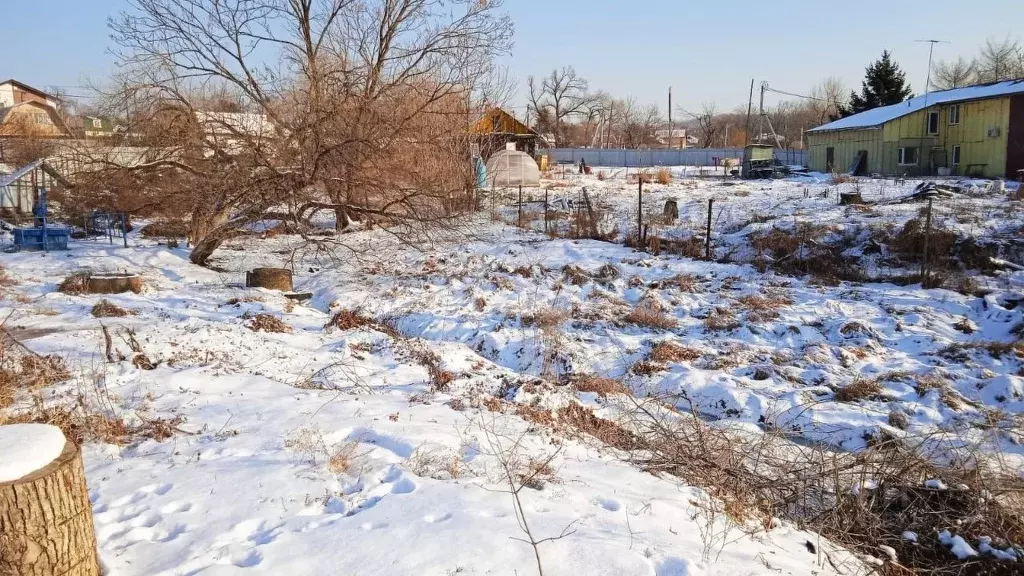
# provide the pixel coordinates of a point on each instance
(1000, 60)
(564, 92)
(356, 104)
(707, 123)
(957, 73)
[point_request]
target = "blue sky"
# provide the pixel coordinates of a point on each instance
(708, 51)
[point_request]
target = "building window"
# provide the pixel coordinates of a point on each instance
(97, 122)
(908, 156)
(933, 123)
(956, 155)
(954, 114)
(40, 118)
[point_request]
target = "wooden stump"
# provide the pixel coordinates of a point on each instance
(671, 210)
(46, 526)
(850, 198)
(270, 278)
(115, 284)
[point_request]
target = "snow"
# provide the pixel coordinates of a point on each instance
(413, 487)
(25, 448)
(957, 545)
(910, 536)
(878, 116)
(935, 484)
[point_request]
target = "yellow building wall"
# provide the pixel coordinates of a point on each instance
(30, 121)
(982, 135)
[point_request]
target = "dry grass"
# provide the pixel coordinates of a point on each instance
(75, 284)
(664, 176)
(166, 229)
(268, 323)
(243, 299)
(603, 387)
(106, 309)
(575, 275)
(439, 378)
(582, 419)
(764, 308)
(6, 280)
(721, 320)
(342, 457)
(437, 462)
(686, 283)
(650, 317)
(545, 318)
(480, 303)
(859, 390)
(671, 352)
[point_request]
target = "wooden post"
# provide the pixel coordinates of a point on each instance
(640, 208)
(545, 210)
(707, 240)
(520, 206)
(46, 525)
(927, 237)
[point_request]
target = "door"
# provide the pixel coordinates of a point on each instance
(830, 159)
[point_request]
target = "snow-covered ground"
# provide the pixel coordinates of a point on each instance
(323, 450)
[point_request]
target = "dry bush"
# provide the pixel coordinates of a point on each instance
(664, 176)
(575, 275)
(839, 178)
(602, 175)
(480, 303)
(348, 319)
(859, 389)
(648, 313)
(545, 318)
(81, 422)
(582, 419)
(764, 308)
(686, 283)
(965, 325)
(440, 378)
(106, 309)
(721, 320)
(75, 284)
(535, 473)
(269, 323)
(608, 271)
(909, 243)
(437, 462)
(243, 299)
(672, 352)
(6, 279)
(342, 457)
(165, 229)
(648, 368)
(598, 385)
(899, 419)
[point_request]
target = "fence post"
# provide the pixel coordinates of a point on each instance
(639, 206)
(707, 240)
(124, 229)
(927, 237)
(545, 210)
(520, 205)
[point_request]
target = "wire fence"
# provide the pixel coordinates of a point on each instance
(629, 158)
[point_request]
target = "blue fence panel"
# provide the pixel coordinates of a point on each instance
(629, 158)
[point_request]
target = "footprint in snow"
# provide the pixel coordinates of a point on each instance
(609, 504)
(435, 519)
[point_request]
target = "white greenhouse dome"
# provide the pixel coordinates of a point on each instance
(512, 168)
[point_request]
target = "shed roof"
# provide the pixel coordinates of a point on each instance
(877, 116)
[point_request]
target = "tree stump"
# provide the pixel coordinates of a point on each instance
(115, 283)
(671, 210)
(850, 198)
(270, 278)
(46, 526)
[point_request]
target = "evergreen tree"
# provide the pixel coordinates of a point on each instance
(884, 84)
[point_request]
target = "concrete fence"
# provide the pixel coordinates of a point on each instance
(627, 158)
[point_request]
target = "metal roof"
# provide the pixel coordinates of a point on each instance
(877, 116)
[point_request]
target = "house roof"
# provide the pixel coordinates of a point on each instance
(54, 117)
(877, 116)
(498, 121)
(27, 88)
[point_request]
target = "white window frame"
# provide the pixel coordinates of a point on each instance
(903, 154)
(956, 156)
(97, 122)
(928, 128)
(956, 108)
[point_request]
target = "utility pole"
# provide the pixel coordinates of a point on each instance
(927, 90)
(670, 131)
(750, 104)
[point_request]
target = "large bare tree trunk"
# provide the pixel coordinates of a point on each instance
(46, 524)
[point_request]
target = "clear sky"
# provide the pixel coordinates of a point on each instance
(708, 51)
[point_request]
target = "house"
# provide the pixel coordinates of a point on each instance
(96, 127)
(13, 92)
(677, 139)
(975, 131)
(499, 130)
(32, 119)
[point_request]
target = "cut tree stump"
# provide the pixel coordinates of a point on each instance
(46, 526)
(270, 278)
(671, 210)
(850, 198)
(115, 283)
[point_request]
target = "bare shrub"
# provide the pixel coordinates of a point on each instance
(859, 390)
(598, 385)
(575, 275)
(439, 377)
(584, 420)
(437, 462)
(480, 303)
(840, 178)
(671, 352)
(651, 317)
(764, 308)
(348, 319)
(75, 284)
(342, 457)
(106, 309)
(664, 176)
(165, 229)
(686, 283)
(721, 320)
(545, 318)
(269, 323)
(899, 419)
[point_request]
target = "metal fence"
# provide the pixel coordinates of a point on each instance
(627, 158)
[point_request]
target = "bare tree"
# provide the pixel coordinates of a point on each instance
(828, 99)
(563, 92)
(954, 74)
(1000, 61)
(355, 104)
(707, 122)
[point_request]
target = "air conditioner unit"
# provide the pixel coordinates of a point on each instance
(994, 132)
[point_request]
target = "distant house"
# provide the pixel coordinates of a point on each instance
(499, 130)
(13, 92)
(976, 130)
(97, 127)
(676, 138)
(235, 131)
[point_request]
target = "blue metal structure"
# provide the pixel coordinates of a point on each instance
(41, 236)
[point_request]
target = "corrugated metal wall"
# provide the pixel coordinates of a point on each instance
(622, 157)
